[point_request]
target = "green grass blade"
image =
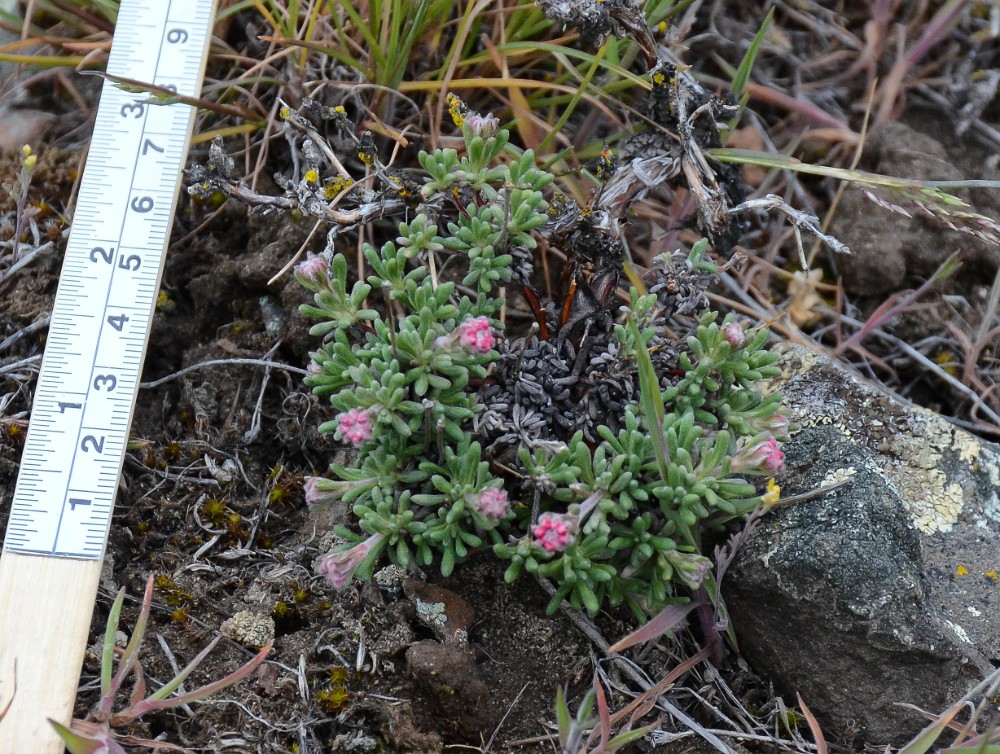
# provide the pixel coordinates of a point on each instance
(138, 632)
(651, 400)
(746, 65)
(861, 177)
(562, 717)
(568, 110)
(108, 650)
(626, 738)
(924, 740)
(373, 44)
(154, 703)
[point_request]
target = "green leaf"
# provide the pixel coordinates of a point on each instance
(77, 743)
(746, 65)
(588, 597)
(924, 740)
(626, 738)
(562, 718)
(650, 400)
(108, 650)
(448, 560)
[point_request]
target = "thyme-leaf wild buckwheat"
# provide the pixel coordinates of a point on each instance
(589, 450)
(405, 377)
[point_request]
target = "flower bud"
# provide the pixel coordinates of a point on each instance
(689, 568)
(764, 457)
(321, 491)
(482, 125)
(777, 425)
(313, 273)
(734, 335)
(339, 567)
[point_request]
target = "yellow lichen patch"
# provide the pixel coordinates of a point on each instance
(961, 571)
(947, 361)
(334, 187)
(163, 301)
(911, 445)
(457, 109)
(606, 164)
(991, 575)
(312, 176)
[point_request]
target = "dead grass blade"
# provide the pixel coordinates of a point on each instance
(163, 96)
(669, 618)
(817, 732)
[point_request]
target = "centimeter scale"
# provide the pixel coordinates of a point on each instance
(65, 493)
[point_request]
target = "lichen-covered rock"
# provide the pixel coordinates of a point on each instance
(249, 629)
(884, 589)
(441, 610)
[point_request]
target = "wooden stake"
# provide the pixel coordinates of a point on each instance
(46, 606)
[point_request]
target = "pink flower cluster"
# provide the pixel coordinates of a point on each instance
(555, 531)
(355, 426)
(772, 458)
(492, 503)
(475, 335)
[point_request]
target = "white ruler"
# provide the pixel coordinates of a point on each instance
(52, 554)
(97, 338)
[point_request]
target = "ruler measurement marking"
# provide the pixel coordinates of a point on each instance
(144, 115)
(115, 249)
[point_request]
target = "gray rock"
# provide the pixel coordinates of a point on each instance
(891, 250)
(883, 590)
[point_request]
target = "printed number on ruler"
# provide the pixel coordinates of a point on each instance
(97, 336)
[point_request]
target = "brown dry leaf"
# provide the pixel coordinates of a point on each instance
(803, 298)
(748, 138)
